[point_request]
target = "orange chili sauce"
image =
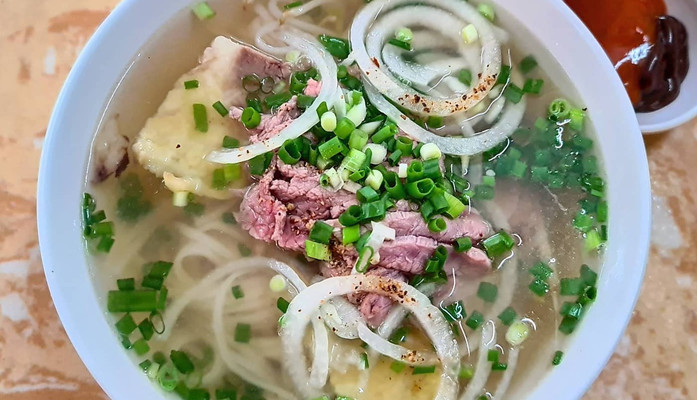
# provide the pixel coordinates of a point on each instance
(621, 27)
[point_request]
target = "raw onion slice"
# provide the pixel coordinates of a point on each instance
(460, 146)
(393, 351)
(326, 66)
(377, 22)
(300, 312)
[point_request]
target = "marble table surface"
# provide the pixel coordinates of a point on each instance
(39, 41)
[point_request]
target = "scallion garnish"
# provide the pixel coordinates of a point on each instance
(318, 251)
(556, 360)
(237, 292)
(203, 11)
(192, 84)
(475, 320)
(321, 232)
(507, 316)
(221, 109)
(487, 292)
(243, 333)
(421, 370)
(200, 118)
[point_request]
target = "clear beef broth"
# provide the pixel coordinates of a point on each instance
(203, 243)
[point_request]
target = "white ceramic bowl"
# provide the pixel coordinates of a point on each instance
(684, 108)
(118, 40)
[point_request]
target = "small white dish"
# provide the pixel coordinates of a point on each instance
(684, 108)
(108, 54)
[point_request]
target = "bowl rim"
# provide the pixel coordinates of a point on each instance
(78, 305)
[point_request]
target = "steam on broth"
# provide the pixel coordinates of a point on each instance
(332, 198)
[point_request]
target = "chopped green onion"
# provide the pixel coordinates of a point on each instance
(225, 394)
(455, 206)
(167, 377)
(304, 101)
(400, 44)
(533, 86)
(364, 257)
(318, 251)
(465, 76)
(559, 110)
(593, 240)
(499, 367)
(399, 336)
(203, 11)
(244, 250)
(276, 100)
(541, 271)
(328, 121)
(420, 189)
(259, 164)
(200, 118)
(126, 284)
(527, 64)
(277, 283)
(289, 152)
(230, 142)
(251, 83)
(385, 133)
(321, 232)
(421, 370)
(507, 316)
(513, 93)
(350, 234)
(330, 148)
(504, 75)
(397, 367)
(192, 84)
(221, 109)
(126, 325)
(404, 34)
(462, 244)
(430, 151)
(588, 276)
(354, 161)
(237, 292)
(181, 361)
(557, 357)
(498, 244)
(466, 372)
(404, 144)
(487, 292)
(367, 194)
(475, 320)
(576, 119)
(492, 356)
(487, 11)
(374, 211)
(517, 333)
(469, 34)
(394, 187)
(539, 287)
(141, 347)
(571, 286)
(374, 179)
(131, 301)
(364, 361)
(454, 312)
(337, 47)
(250, 118)
(437, 225)
(243, 333)
(352, 216)
(415, 171)
(568, 325)
(282, 304)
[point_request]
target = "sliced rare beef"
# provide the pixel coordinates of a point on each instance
(271, 124)
(288, 200)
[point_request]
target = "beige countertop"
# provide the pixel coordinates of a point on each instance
(39, 41)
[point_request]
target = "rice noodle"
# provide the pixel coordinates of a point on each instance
(482, 369)
(384, 17)
(505, 381)
(460, 146)
(434, 324)
(324, 63)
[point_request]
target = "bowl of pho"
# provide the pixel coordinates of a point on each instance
(331, 199)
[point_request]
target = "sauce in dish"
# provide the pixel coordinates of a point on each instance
(345, 200)
(647, 47)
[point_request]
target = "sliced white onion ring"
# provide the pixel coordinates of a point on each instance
(326, 67)
(458, 146)
(378, 16)
(393, 351)
(301, 310)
